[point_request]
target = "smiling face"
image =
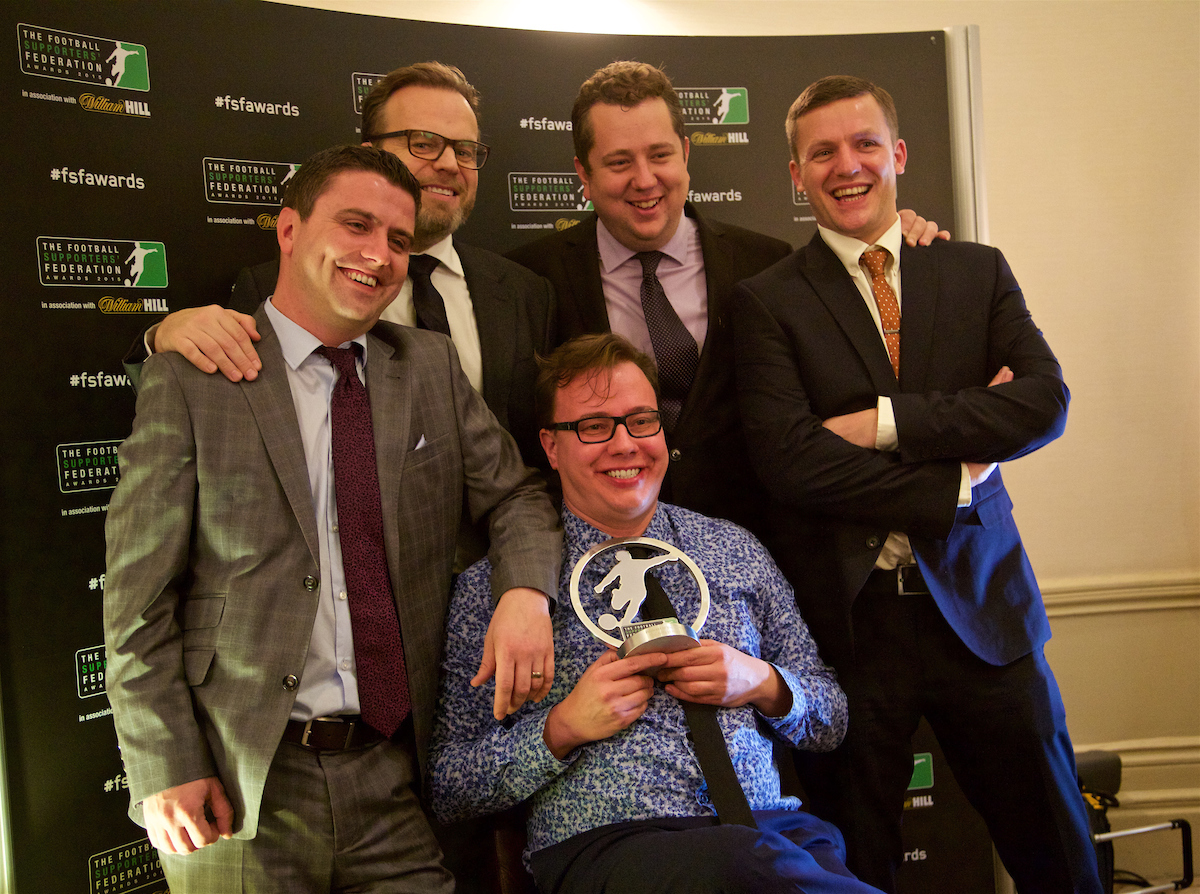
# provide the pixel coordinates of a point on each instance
(636, 176)
(613, 486)
(343, 264)
(847, 165)
(447, 190)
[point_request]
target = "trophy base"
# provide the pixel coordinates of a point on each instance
(666, 635)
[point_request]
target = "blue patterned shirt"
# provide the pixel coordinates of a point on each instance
(649, 769)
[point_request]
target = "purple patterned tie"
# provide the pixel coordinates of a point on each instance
(378, 652)
(675, 350)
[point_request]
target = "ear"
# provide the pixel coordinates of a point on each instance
(583, 175)
(900, 156)
(285, 229)
(794, 170)
(550, 446)
(687, 148)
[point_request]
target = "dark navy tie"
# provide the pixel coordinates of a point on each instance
(427, 301)
(675, 350)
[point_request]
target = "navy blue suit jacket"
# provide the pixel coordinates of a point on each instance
(808, 349)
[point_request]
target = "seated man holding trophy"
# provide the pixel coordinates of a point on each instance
(680, 661)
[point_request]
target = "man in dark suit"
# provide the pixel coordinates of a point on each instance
(497, 313)
(273, 647)
(631, 153)
(878, 400)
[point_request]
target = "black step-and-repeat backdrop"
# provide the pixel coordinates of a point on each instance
(145, 145)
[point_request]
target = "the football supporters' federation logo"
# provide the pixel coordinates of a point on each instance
(127, 867)
(244, 182)
(361, 83)
(88, 465)
(528, 191)
(715, 105)
(85, 58)
(71, 261)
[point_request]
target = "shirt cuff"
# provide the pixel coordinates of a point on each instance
(964, 487)
(149, 339)
(885, 427)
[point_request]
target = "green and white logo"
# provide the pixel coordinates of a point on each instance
(715, 105)
(922, 776)
(70, 261)
(67, 56)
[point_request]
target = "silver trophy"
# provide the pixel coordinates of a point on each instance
(627, 579)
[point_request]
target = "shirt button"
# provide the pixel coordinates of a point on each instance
(873, 542)
(311, 583)
(342, 595)
(290, 682)
(676, 455)
(335, 529)
(345, 664)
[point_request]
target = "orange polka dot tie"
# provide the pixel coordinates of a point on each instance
(875, 260)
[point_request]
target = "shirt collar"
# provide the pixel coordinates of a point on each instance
(296, 342)
(849, 250)
(613, 254)
(444, 252)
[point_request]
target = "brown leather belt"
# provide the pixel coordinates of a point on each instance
(342, 733)
(903, 580)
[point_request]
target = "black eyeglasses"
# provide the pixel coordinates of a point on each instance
(430, 146)
(598, 429)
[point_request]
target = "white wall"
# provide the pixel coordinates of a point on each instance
(1092, 170)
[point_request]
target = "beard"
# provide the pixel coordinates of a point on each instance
(434, 223)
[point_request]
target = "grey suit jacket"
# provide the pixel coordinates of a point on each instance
(212, 576)
(709, 472)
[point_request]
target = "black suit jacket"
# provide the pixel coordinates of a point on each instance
(514, 312)
(708, 472)
(807, 349)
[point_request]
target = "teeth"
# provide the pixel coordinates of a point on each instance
(849, 191)
(647, 204)
(362, 278)
(623, 473)
(439, 190)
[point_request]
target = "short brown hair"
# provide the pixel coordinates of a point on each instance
(624, 84)
(315, 173)
(424, 74)
(586, 355)
(831, 89)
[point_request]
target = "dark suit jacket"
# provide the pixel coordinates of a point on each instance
(212, 579)
(807, 349)
(708, 472)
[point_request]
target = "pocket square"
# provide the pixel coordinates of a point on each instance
(420, 443)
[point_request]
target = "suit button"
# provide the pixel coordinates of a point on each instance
(311, 583)
(873, 542)
(290, 682)
(676, 455)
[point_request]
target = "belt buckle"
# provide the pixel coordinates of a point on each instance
(349, 724)
(900, 571)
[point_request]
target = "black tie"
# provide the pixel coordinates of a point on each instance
(378, 653)
(724, 790)
(427, 301)
(675, 350)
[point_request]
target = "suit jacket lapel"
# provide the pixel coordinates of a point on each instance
(270, 400)
(841, 297)
(495, 318)
(390, 393)
(583, 271)
(918, 311)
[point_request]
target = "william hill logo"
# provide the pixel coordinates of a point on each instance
(67, 56)
(69, 261)
(93, 103)
(267, 221)
(110, 305)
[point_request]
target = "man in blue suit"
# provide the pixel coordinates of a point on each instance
(880, 385)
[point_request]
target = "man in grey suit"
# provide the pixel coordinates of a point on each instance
(237, 658)
(499, 315)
